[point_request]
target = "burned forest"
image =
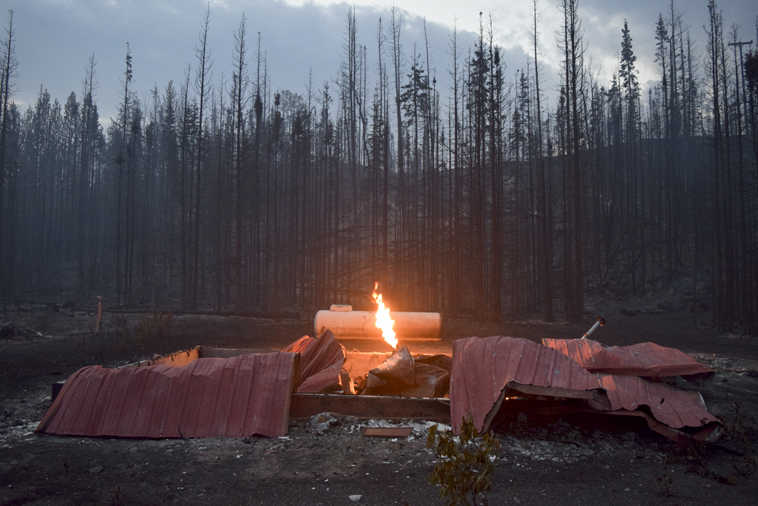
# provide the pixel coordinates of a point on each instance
(485, 199)
(512, 260)
(230, 196)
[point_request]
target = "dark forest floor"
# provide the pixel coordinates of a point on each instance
(559, 462)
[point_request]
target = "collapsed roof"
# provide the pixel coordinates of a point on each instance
(485, 370)
(207, 397)
(189, 395)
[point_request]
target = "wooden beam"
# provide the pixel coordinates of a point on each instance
(370, 406)
(562, 393)
(387, 431)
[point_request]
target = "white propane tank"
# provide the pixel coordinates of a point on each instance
(348, 324)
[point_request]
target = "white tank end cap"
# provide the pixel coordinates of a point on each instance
(341, 308)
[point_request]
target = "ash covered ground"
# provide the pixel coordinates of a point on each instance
(325, 460)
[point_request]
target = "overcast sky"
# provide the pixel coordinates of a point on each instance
(56, 37)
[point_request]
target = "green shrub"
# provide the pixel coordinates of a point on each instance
(465, 463)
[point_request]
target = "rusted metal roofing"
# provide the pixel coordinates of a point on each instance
(676, 408)
(581, 351)
(209, 397)
(642, 359)
(485, 369)
(321, 361)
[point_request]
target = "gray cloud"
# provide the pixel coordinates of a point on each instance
(604, 31)
(56, 37)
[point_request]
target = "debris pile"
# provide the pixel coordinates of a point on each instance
(402, 374)
(489, 372)
(323, 361)
(207, 392)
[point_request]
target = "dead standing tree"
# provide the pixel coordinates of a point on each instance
(573, 68)
(742, 295)
(87, 160)
(399, 254)
(239, 87)
(8, 71)
(204, 67)
(545, 232)
(122, 163)
(717, 270)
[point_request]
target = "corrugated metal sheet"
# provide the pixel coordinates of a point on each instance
(300, 345)
(676, 408)
(483, 368)
(321, 361)
(642, 359)
(581, 351)
(209, 397)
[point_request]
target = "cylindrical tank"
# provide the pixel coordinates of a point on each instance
(348, 324)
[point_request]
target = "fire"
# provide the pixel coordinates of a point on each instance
(383, 320)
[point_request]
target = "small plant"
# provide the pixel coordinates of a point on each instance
(465, 463)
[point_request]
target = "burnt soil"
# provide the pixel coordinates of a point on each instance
(545, 461)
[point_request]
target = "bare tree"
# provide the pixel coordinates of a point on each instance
(545, 226)
(204, 67)
(86, 157)
(123, 163)
(6, 86)
(239, 86)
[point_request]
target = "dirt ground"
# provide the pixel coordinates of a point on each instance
(539, 461)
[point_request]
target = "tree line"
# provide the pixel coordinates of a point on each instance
(232, 196)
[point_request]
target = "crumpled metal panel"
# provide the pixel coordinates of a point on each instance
(209, 397)
(676, 408)
(643, 359)
(483, 367)
(581, 351)
(321, 361)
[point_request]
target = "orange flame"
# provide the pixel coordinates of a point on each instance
(383, 320)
